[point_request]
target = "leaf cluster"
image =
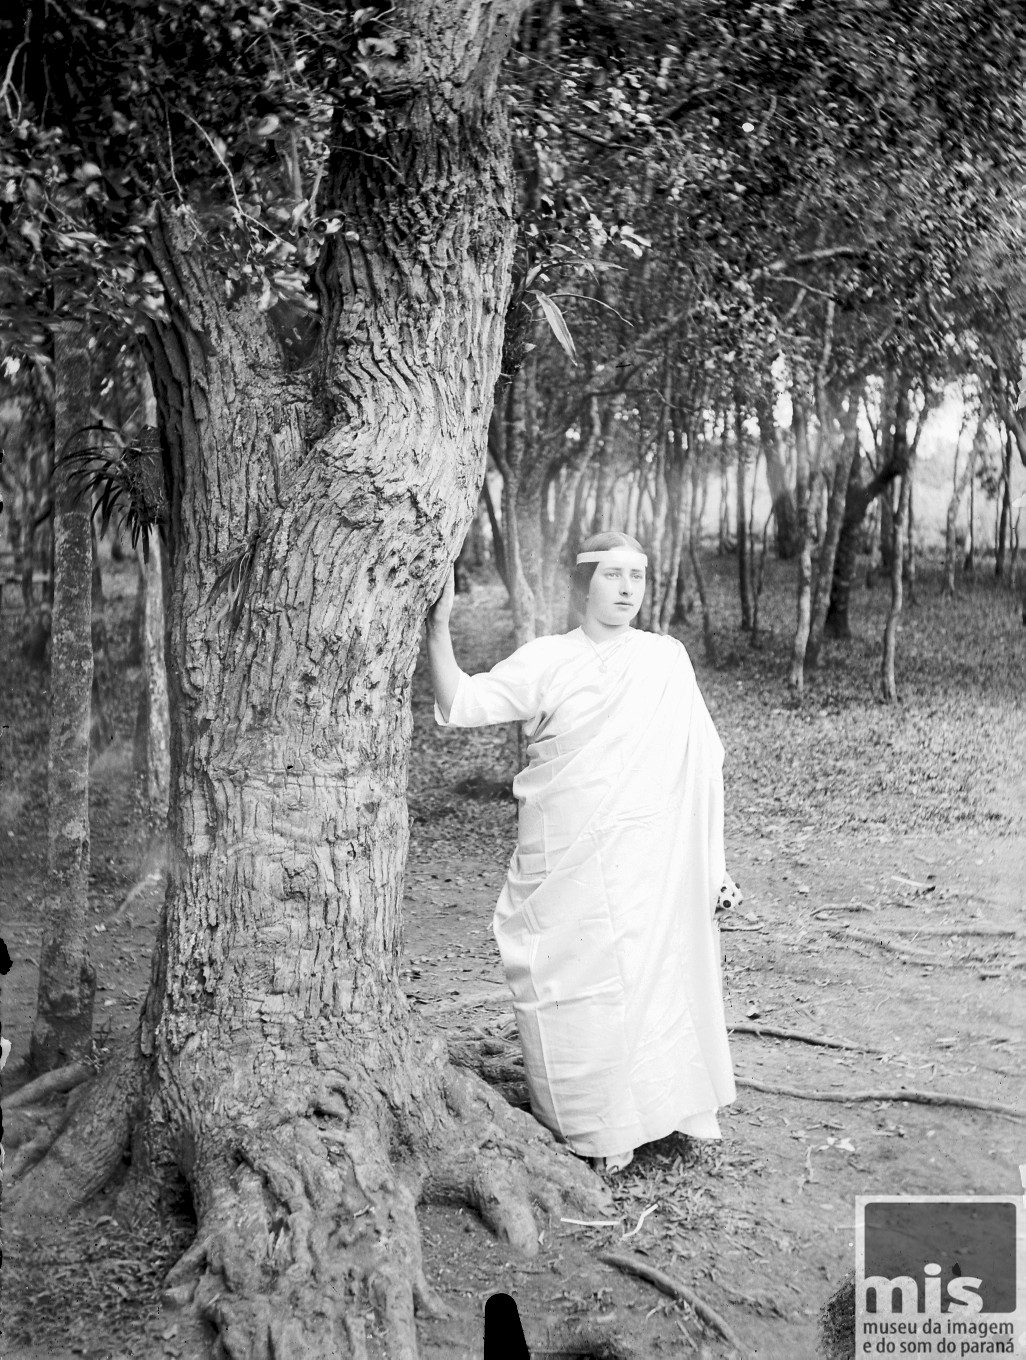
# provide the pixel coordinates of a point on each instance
(227, 112)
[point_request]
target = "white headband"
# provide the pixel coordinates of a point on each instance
(616, 557)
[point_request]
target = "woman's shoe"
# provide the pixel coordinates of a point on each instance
(609, 1166)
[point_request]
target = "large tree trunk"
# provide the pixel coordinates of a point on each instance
(278, 1067)
(62, 1031)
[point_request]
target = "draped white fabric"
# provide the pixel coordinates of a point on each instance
(605, 923)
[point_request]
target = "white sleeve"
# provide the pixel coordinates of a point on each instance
(509, 692)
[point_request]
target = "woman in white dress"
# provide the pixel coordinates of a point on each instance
(606, 923)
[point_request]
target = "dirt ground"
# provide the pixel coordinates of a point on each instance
(870, 842)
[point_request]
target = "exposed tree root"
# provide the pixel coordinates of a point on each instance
(912, 1097)
(801, 1037)
(87, 1149)
(634, 1265)
(921, 958)
(53, 1083)
(986, 932)
(30, 1150)
(306, 1196)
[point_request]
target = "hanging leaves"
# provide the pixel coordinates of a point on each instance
(559, 327)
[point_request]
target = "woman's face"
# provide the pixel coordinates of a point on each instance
(616, 593)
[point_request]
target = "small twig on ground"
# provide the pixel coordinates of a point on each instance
(58, 1081)
(912, 1097)
(633, 1265)
(842, 906)
(801, 1037)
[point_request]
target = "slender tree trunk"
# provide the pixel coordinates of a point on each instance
(521, 596)
(723, 537)
(887, 530)
(62, 1031)
(153, 721)
(1001, 541)
(910, 542)
(960, 480)
(694, 551)
(101, 730)
(744, 555)
(677, 486)
(602, 515)
(847, 452)
(568, 492)
(657, 546)
(278, 1067)
(888, 686)
(785, 514)
(498, 541)
(803, 496)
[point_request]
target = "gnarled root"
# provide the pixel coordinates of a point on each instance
(308, 1241)
(306, 1192)
(87, 1149)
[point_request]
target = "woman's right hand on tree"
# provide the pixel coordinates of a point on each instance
(438, 614)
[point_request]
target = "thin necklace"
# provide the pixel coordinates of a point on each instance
(610, 647)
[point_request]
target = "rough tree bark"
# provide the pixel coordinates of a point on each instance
(278, 1068)
(62, 1030)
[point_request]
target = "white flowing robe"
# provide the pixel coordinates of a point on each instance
(605, 923)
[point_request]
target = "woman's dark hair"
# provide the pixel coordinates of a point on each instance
(580, 576)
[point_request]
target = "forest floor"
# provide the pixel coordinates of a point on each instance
(876, 846)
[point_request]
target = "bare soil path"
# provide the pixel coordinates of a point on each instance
(881, 851)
